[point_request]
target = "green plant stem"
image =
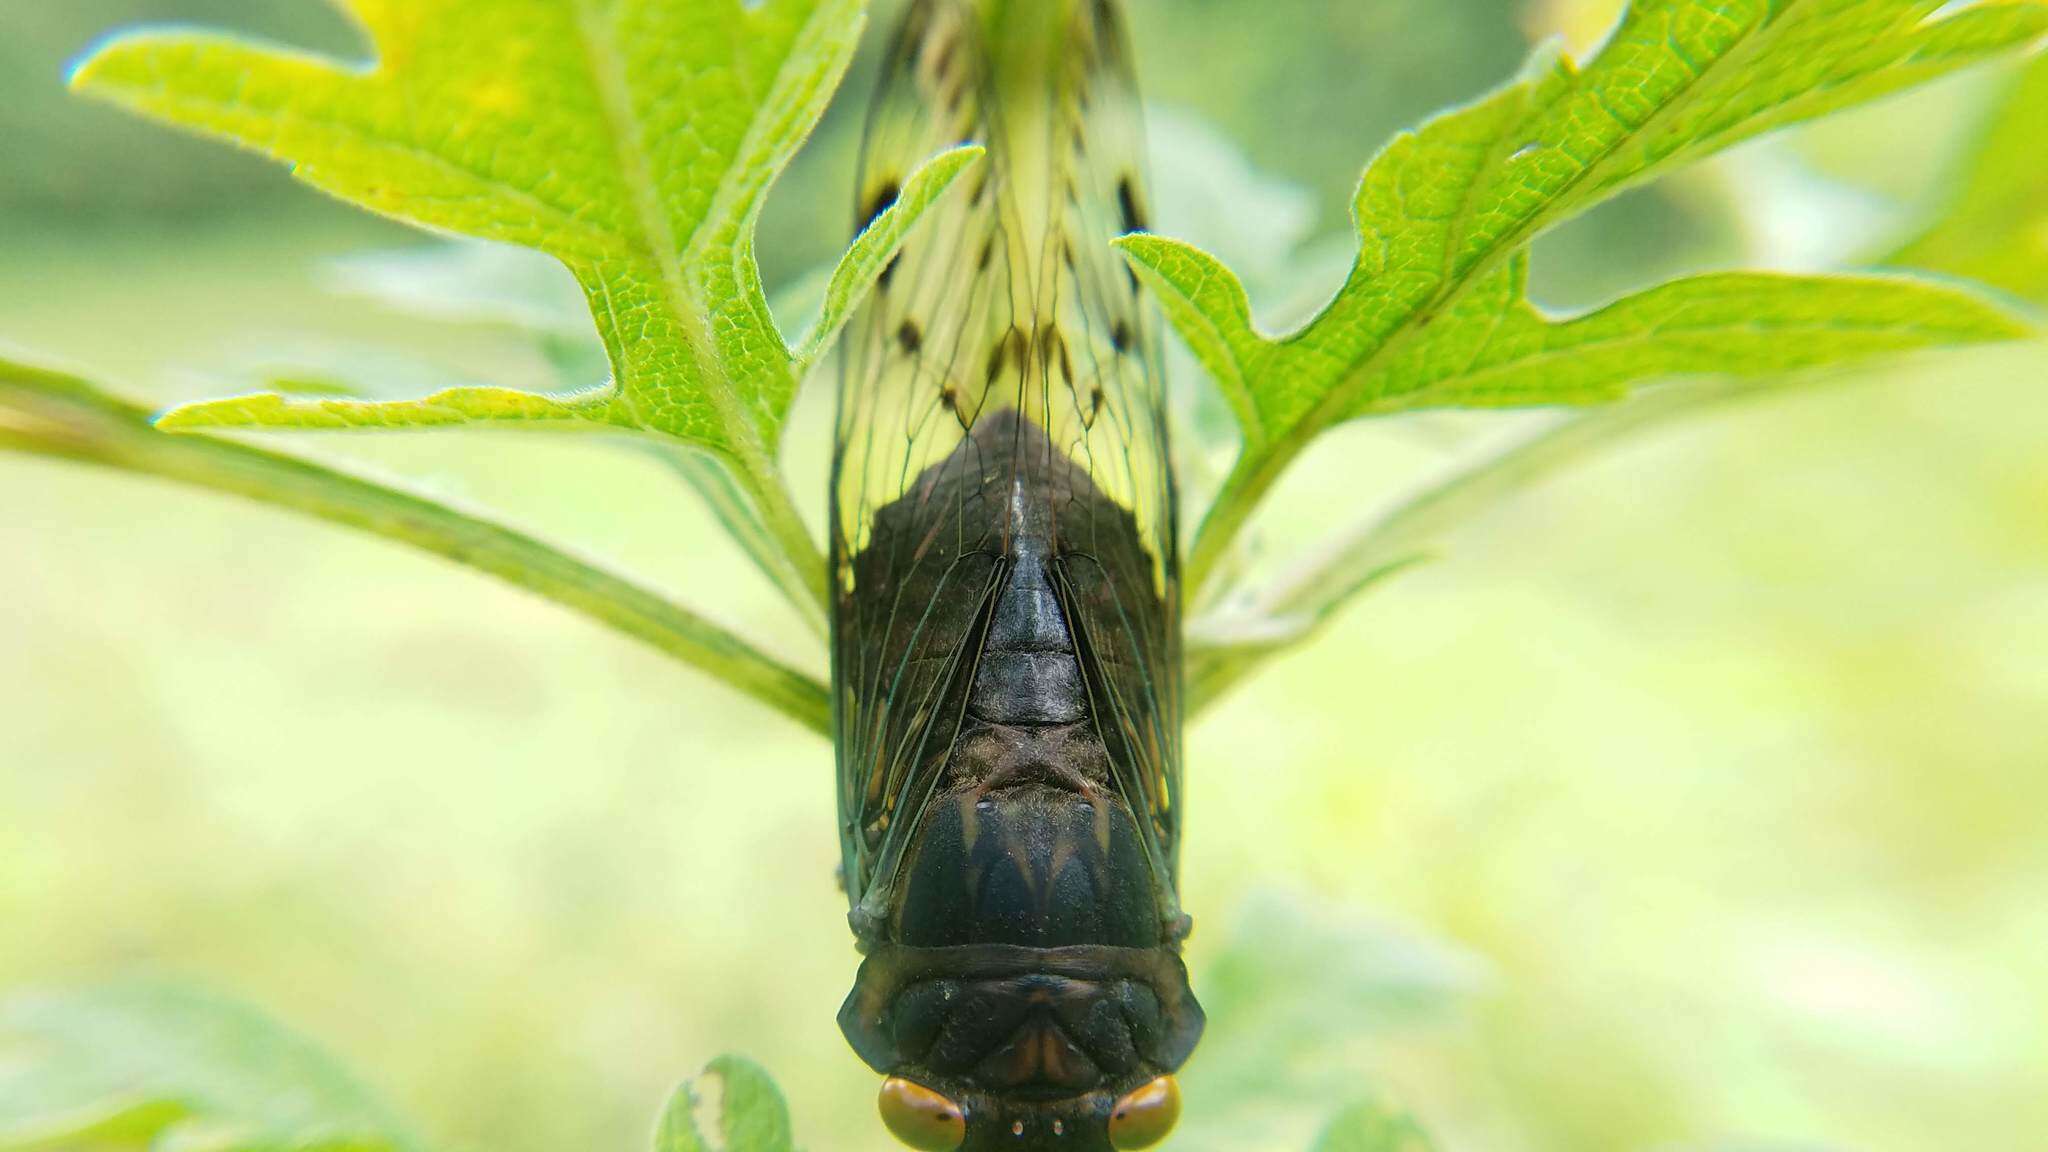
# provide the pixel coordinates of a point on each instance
(58, 416)
(1243, 491)
(1388, 543)
(714, 484)
(765, 486)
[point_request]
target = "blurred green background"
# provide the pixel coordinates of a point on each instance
(1694, 801)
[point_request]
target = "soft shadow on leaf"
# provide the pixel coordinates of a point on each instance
(136, 1066)
(739, 1101)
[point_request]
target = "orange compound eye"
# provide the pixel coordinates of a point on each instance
(1146, 1116)
(920, 1117)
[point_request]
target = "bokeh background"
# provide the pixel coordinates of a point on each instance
(1695, 800)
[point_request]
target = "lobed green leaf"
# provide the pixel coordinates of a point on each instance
(635, 141)
(1434, 312)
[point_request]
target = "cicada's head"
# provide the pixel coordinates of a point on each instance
(1047, 1008)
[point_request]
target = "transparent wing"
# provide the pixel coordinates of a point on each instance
(1009, 301)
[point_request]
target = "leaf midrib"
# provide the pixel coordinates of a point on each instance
(657, 238)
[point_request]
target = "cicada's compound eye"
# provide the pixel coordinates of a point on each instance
(922, 1118)
(1146, 1116)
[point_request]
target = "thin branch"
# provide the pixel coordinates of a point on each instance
(1296, 606)
(56, 415)
(714, 483)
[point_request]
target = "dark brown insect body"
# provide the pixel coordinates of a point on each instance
(1026, 971)
(1006, 625)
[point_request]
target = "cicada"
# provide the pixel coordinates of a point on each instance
(1006, 610)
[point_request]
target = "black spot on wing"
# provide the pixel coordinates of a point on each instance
(1127, 204)
(1120, 336)
(882, 199)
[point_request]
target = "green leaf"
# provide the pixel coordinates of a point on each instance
(1995, 228)
(64, 417)
(1444, 214)
(750, 1115)
(635, 141)
(145, 1066)
(1374, 1127)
